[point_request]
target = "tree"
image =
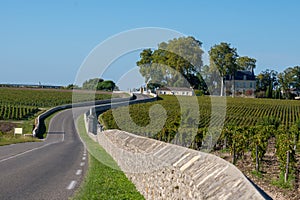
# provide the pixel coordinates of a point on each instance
(91, 84)
(223, 57)
(246, 63)
(106, 85)
(98, 84)
(72, 86)
(266, 81)
(286, 80)
(172, 62)
(296, 72)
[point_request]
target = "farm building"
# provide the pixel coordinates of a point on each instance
(184, 91)
(244, 83)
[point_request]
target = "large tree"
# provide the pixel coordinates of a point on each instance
(99, 84)
(173, 63)
(296, 77)
(288, 79)
(246, 63)
(223, 57)
(285, 80)
(266, 81)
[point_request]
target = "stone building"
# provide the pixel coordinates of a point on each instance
(243, 83)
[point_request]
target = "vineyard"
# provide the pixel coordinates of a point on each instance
(45, 98)
(239, 111)
(248, 128)
(8, 112)
(22, 104)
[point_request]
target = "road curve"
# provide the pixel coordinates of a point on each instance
(47, 170)
(52, 169)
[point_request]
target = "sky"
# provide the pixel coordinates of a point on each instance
(48, 41)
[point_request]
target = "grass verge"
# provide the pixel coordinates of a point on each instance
(7, 139)
(102, 181)
(27, 125)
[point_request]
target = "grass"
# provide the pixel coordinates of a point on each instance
(285, 185)
(103, 181)
(257, 173)
(27, 125)
(7, 139)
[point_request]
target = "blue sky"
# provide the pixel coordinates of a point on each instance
(47, 41)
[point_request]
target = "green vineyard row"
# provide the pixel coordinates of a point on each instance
(8, 112)
(239, 112)
(45, 98)
(244, 125)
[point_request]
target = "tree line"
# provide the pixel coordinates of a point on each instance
(283, 85)
(178, 63)
(96, 84)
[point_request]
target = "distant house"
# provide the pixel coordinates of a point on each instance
(294, 91)
(184, 91)
(243, 83)
(291, 93)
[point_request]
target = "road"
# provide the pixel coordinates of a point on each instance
(52, 169)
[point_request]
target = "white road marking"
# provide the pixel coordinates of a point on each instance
(63, 136)
(71, 185)
(82, 164)
(83, 158)
(17, 155)
(78, 172)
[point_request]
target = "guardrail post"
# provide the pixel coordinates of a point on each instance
(92, 122)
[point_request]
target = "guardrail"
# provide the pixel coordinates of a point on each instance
(40, 127)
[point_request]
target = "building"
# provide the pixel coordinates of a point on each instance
(243, 83)
(184, 91)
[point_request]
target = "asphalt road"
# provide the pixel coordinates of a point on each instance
(47, 170)
(52, 169)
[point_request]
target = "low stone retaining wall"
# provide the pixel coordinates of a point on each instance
(166, 171)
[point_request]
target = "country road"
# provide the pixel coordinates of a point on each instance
(48, 170)
(52, 169)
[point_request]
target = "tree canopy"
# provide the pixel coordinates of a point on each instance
(223, 57)
(99, 84)
(246, 63)
(178, 63)
(174, 63)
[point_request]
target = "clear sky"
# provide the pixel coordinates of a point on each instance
(47, 41)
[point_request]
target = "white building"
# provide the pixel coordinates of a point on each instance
(184, 91)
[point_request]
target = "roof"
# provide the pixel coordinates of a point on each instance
(176, 89)
(240, 75)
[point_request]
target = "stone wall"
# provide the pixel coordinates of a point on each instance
(166, 171)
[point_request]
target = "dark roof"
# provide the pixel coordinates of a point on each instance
(239, 75)
(184, 89)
